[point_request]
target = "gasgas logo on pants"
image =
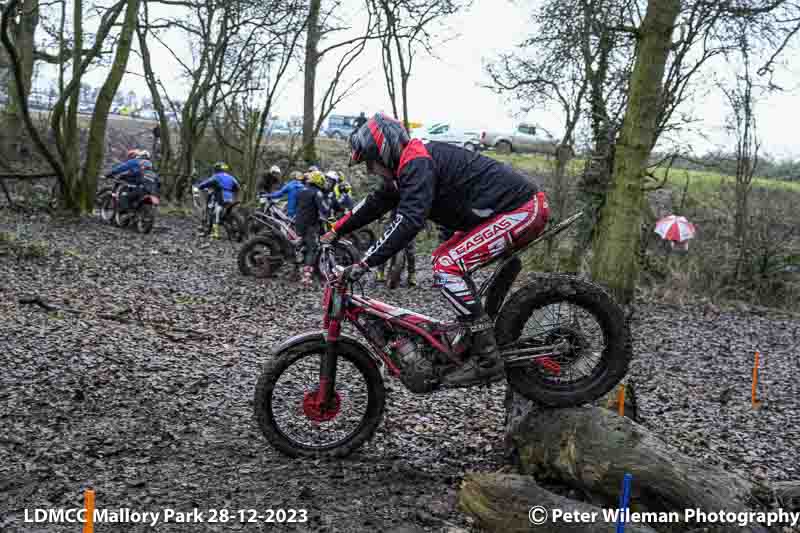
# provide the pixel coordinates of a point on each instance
(496, 229)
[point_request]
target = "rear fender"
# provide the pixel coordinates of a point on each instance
(319, 336)
(494, 290)
(152, 200)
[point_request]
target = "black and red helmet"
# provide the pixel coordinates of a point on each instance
(381, 138)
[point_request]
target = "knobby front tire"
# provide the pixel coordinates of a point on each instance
(283, 361)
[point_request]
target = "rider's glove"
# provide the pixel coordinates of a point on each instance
(355, 271)
(328, 237)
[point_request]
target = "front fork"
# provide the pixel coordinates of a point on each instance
(328, 361)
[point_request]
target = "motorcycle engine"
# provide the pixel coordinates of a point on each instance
(410, 354)
(417, 371)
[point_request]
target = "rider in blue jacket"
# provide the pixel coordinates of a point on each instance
(225, 187)
(133, 172)
(290, 190)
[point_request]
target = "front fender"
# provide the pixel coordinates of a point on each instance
(319, 336)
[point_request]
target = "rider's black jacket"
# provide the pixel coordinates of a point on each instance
(312, 209)
(455, 188)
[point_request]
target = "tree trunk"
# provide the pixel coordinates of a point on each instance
(502, 502)
(310, 78)
(165, 157)
(97, 129)
(615, 261)
(71, 152)
(590, 449)
(23, 37)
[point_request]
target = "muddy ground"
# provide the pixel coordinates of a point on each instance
(156, 412)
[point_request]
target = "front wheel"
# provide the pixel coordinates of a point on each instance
(587, 325)
(105, 202)
(289, 415)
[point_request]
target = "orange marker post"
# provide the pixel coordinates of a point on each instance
(753, 396)
(621, 399)
(88, 506)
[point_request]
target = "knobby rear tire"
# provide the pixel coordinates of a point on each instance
(235, 226)
(266, 240)
(272, 371)
(546, 289)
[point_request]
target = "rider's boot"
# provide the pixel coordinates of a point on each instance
(308, 277)
(379, 276)
(484, 363)
(412, 279)
(215, 231)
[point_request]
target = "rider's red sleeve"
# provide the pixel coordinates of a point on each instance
(371, 208)
(416, 183)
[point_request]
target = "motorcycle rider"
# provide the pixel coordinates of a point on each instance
(359, 121)
(341, 192)
(224, 187)
(270, 179)
(290, 190)
(312, 212)
(132, 172)
(334, 193)
(410, 252)
(491, 207)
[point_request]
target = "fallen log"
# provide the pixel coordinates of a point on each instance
(503, 502)
(787, 495)
(590, 449)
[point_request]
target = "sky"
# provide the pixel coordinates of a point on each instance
(448, 88)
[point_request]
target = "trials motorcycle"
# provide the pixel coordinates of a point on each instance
(115, 206)
(565, 342)
(275, 242)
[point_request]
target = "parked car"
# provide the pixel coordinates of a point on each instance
(525, 138)
(447, 133)
(340, 126)
(281, 127)
(146, 114)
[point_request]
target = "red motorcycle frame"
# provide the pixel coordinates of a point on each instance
(340, 305)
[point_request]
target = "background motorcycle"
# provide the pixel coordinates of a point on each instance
(563, 339)
(270, 211)
(276, 242)
(231, 219)
(116, 207)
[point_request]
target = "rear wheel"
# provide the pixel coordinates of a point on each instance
(145, 218)
(234, 225)
(260, 257)
(287, 407)
(588, 326)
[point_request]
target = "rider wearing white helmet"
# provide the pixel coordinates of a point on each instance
(270, 179)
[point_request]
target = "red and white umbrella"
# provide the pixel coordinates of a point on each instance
(675, 228)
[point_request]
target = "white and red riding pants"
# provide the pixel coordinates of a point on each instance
(467, 250)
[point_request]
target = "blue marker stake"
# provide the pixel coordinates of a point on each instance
(623, 502)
